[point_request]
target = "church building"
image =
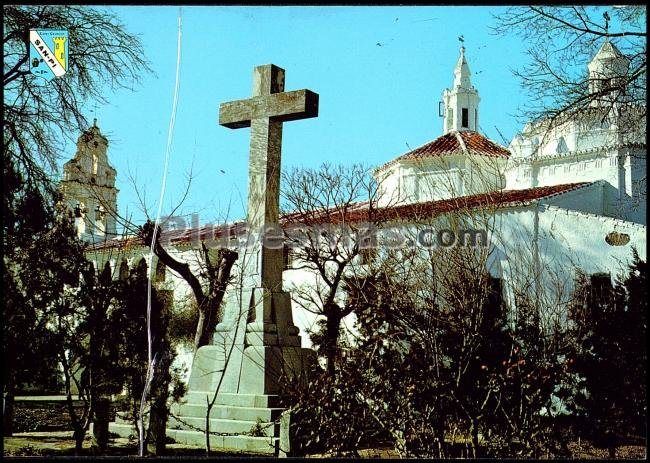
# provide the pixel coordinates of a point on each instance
(88, 187)
(571, 191)
(567, 188)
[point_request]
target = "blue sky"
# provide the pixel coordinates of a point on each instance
(374, 99)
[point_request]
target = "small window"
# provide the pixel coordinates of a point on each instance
(535, 145)
(465, 121)
(562, 146)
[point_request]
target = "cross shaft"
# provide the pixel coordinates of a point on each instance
(264, 113)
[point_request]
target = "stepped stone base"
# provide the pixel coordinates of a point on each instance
(262, 445)
(246, 362)
(243, 422)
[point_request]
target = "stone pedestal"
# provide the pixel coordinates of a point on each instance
(257, 346)
(254, 349)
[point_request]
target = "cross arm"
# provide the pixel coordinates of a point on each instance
(285, 106)
(235, 114)
(291, 106)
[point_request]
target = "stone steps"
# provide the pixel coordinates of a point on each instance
(237, 400)
(264, 445)
(221, 425)
(232, 412)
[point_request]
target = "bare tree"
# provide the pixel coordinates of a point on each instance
(103, 57)
(217, 275)
(330, 212)
(560, 41)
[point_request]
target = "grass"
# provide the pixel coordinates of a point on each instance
(62, 444)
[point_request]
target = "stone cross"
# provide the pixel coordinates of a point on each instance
(264, 113)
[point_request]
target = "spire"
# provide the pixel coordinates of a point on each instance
(461, 101)
(95, 122)
(462, 72)
(608, 52)
(607, 69)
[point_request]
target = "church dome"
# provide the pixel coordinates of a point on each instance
(464, 142)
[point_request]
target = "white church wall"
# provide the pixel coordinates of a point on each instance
(541, 251)
(583, 235)
(436, 178)
(589, 198)
(388, 186)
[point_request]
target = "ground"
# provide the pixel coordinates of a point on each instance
(44, 429)
(61, 443)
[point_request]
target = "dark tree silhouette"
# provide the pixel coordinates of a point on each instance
(38, 115)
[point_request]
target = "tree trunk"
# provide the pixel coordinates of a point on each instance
(207, 426)
(199, 336)
(206, 325)
(156, 440)
(440, 436)
(157, 432)
(101, 418)
(79, 436)
(331, 341)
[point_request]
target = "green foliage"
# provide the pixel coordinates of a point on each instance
(327, 415)
(259, 428)
(437, 371)
(609, 332)
(41, 256)
(182, 323)
(51, 317)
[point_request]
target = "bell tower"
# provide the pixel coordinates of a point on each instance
(607, 72)
(88, 187)
(461, 101)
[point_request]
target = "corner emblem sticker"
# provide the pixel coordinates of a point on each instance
(48, 52)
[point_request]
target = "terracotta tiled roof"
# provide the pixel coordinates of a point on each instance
(359, 212)
(455, 142)
(493, 200)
